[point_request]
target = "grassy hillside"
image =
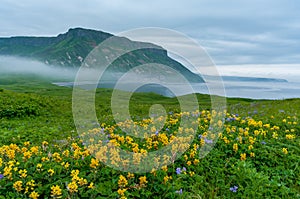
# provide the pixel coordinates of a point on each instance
(71, 48)
(256, 156)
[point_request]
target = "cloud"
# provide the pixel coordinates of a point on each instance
(233, 32)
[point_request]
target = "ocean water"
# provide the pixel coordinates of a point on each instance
(242, 89)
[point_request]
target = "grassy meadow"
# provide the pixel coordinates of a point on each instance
(41, 156)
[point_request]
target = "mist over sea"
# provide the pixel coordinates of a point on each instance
(255, 81)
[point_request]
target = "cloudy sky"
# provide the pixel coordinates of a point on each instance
(234, 32)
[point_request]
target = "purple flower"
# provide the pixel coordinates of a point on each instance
(208, 141)
(167, 129)
(1, 176)
(156, 133)
(179, 192)
(183, 169)
(234, 189)
(263, 142)
(178, 171)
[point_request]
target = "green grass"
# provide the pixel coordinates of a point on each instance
(32, 109)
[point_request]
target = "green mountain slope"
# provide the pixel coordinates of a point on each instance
(71, 48)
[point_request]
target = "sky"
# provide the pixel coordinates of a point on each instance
(234, 32)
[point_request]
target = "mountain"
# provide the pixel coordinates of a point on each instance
(71, 48)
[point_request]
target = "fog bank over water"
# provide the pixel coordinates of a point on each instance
(18, 65)
(290, 72)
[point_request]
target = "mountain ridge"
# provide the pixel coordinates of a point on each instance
(69, 49)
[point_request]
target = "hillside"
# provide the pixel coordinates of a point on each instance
(71, 48)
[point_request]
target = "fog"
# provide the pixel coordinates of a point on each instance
(17, 65)
(290, 72)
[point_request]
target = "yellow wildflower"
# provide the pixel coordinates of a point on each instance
(243, 156)
(18, 186)
(188, 163)
(121, 192)
(143, 180)
(284, 150)
(235, 147)
(94, 163)
(122, 182)
(34, 195)
(91, 186)
(51, 172)
(56, 191)
(72, 187)
(23, 173)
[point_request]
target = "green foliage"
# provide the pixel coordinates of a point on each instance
(271, 173)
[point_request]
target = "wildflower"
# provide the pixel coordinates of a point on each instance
(192, 173)
(27, 155)
(250, 147)
(44, 143)
(74, 172)
(1, 176)
(179, 192)
(263, 142)
(143, 180)
(235, 147)
(284, 150)
(34, 195)
(122, 182)
(196, 161)
(44, 159)
(243, 156)
(72, 187)
(252, 154)
(164, 168)
(188, 163)
(51, 172)
(94, 163)
(234, 189)
(56, 191)
(23, 173)
(167, 178)
(66, 166)
(26, 144)
(208, 141)
(18, 186)
(178, 171)
(130, 175)
(91, 186)
(121, 192)
(56, 157)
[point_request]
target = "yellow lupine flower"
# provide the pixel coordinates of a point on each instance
(130, 175)
(143, 180)
(235, 147)
(23, 173)
(56, 191)
(121, 192)
(34, 195)
(91, 186)
(94, 163)
(122, 182)
(284, 150)
(188, 163)
(72, 187)
(243, 156)
(18, 186)
(51, 172)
